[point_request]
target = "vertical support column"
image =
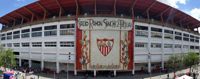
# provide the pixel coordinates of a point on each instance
(162, 55)
(58, 45)
(30, 46)
(20, 62)
(133, 17)
(173, 46)
(149, 48)
(95, 73)
(115, 73)
(42, 53)
(57, 67)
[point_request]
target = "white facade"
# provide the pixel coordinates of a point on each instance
(49, 48)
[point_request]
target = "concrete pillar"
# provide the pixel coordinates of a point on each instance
(149, 65)
(75, 72)
(20, 62)
(133, 71)
(115, 73)
(42, 65)
(149, 48)
(162, 54)
(57, 67)
(30, 63)
(95, 73)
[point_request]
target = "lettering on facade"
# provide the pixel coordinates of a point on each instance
(104, 23)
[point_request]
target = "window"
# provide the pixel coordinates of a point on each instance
(25, 44)
(9, 45)
(155, 45)
(178, 33)
(168, 45)
(156, 32)
(36, 44)
(50, 44)
(9, 35)
(25, 33)
(177, 46)
(168, 34)
(4, 45)
(67, 44)
(67, 29)
(16, 34)
(138, 27)
(3, 37)
(168, 31)
(36, 32)
(16, 44)
(192, 47)
(16, 53)
(178, 38)
(141, 31)
(141, 45)
(196, 47)
(186, 46)
(50, 30)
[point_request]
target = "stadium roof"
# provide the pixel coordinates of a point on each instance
(47, 8)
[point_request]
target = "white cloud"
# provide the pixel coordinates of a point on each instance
(195, 13)
(173, 3)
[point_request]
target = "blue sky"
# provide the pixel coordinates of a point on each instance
(191, 7)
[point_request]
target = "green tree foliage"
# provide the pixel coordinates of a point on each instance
(7, 58)
(191, 59)
(174, 62)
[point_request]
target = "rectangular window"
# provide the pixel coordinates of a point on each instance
(52, 27)
(178, 38)
(191, 47)
(9, 45)
(16, 44)
(4, 45)
(196, 47)
(186, 46)
(36, 29)
(67, 26)
(16, 53)
(3, 37)
(67, 44)
(36, 44)
(36, 32)
(168, 45)
(67, 29)
(25, 44)
(178, 33)
(50, 33)
(156, 32)
(168, 31)
(25, 33)
(50, 44)
(9, 35)
(186, 39)
(141, 45)
(177, 46)
(155, 45)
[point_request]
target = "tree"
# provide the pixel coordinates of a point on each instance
(7, 58)
(191, 59)
(174, 62)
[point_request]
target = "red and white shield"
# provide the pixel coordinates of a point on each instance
(105, 45)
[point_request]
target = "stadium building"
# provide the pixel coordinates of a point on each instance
(98, 35)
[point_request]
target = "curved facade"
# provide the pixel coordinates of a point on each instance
(58, 43)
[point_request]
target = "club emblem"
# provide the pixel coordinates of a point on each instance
(105, 45)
